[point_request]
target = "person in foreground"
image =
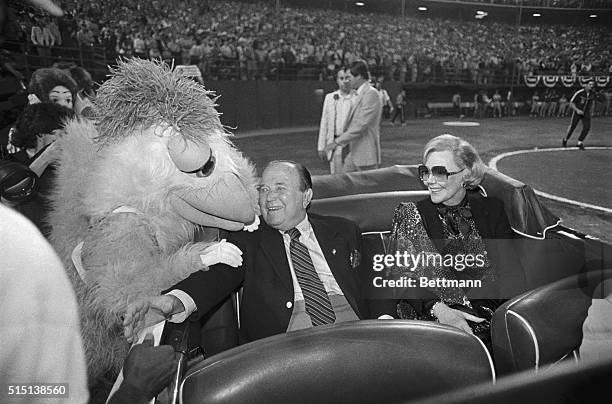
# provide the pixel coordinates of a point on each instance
(456, 223)
(298, 270)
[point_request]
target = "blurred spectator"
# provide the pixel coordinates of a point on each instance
(385, 100)
(400, 104)
(535, 104)
(457, 104)
(497, 109)
(39, 321)
(563, 106)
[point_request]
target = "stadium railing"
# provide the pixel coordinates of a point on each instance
(96, 60)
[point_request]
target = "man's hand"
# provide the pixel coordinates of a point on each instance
(146, 371)
(580, 112)
(144, 313)
(330, 147)
(454, 317)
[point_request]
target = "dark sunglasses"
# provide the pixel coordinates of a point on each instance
(439, 173)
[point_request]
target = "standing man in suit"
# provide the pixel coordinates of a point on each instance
(336, 108)
(362, 128)
(276, 296)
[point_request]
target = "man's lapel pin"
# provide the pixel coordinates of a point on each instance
(334, 251)
(355, 259)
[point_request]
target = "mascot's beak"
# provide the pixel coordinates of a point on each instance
(226, 204)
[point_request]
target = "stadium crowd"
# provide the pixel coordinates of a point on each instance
(548, 3)
(236, 40)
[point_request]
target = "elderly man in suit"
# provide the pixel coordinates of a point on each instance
(362, 128)
(298, 269)
(336, 108)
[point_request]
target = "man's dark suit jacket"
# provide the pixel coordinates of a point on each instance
(267, 296)
(492, 224)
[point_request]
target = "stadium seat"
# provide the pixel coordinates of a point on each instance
(394, 178)
(543, 326)
(527, 216)
(372, 212)
(547, 250)
(380, 361)
(567, 383)
(361, 197)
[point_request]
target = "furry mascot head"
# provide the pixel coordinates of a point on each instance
(133, 187)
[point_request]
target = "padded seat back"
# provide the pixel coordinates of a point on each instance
(371, 361)
(394, 178)
(543, 326)
(525, 213)
(372, 212)
(569, 382)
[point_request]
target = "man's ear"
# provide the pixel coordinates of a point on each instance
(307, 197)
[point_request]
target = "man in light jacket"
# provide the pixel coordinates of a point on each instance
(336, 108)
(362, 128)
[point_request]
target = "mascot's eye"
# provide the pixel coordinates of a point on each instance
(207, 169)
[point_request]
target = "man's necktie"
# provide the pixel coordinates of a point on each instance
(317, 302)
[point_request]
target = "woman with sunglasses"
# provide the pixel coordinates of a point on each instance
(461, 237)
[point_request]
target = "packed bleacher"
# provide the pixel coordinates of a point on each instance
(548, 3)
(236, 40)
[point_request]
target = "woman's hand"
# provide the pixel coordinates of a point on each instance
(453, 317)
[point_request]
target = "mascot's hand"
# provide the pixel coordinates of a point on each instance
(253, 226)
(222, 253)
(146, 312)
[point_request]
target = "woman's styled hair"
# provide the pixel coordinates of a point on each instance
(464, 153)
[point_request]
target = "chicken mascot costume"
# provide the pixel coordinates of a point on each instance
(134, 184)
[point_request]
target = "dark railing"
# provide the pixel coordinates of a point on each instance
(28, 57)
(96, 60)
